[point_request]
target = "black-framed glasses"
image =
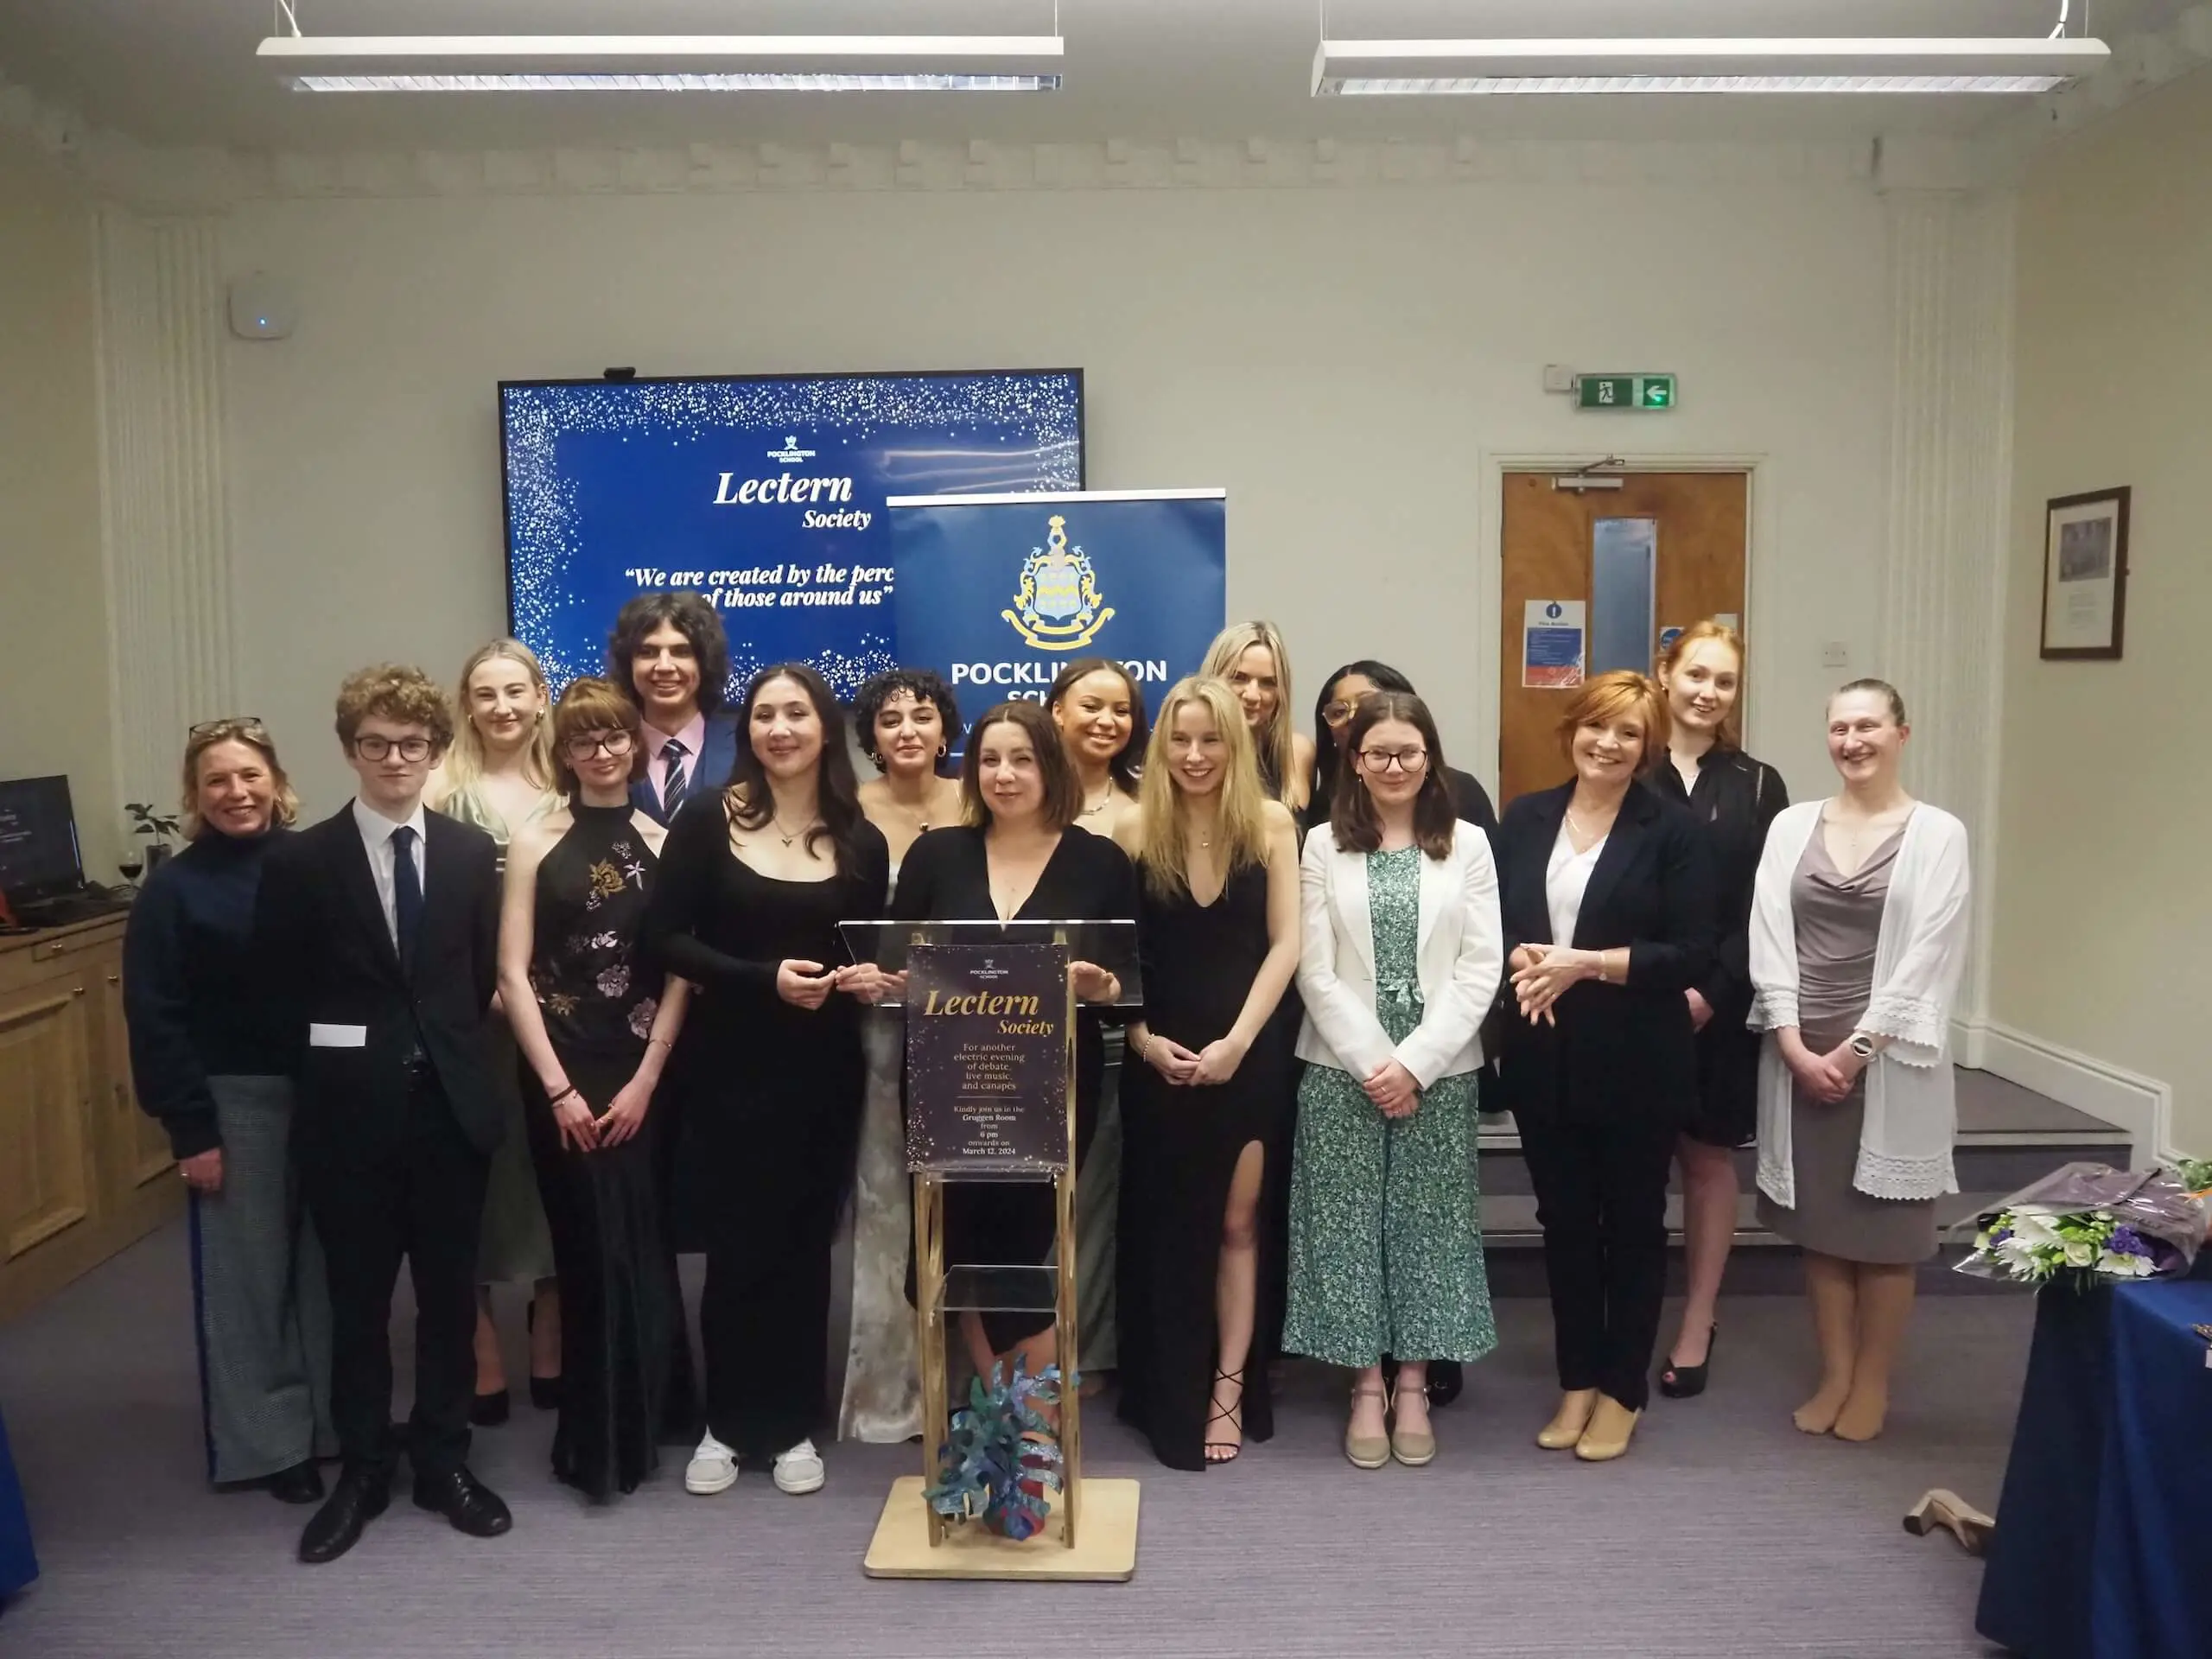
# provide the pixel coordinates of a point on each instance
(375, 747)
(584, 744)
(1403, 760)
(227, 723)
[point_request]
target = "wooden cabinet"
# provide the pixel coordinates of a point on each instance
(83, 1172)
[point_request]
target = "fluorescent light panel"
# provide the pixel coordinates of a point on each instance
(1901, 64)
(1501, 86)
(667, 62)
(677, 83)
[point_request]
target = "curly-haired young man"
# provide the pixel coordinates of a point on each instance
(378, 931)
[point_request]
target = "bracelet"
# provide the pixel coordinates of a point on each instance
(555, 1100)
(663, 1041)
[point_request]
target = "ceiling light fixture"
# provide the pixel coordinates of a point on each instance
(1398, 69)
(663, 63)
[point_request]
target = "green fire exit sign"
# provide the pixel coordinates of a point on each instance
(1648, 393)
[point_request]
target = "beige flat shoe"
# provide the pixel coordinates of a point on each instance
(1415, 1449)
(1569, 1421)
(1611, 1427)
(1368, 1450)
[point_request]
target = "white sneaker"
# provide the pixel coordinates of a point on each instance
(799, 1470)
(712, 1469)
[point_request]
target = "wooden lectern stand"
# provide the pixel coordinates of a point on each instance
(1091, 1531)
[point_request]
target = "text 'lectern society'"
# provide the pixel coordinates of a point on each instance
(991, 1043)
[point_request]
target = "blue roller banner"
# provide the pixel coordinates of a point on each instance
(999, 592)
(765, 494)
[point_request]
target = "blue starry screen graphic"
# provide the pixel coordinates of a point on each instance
(765, 494)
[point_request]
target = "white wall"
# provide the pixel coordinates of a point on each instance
(1342, 360)
(53, 664)
(2105, 891)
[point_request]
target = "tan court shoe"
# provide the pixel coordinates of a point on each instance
(1611, 1427)
(1569, 1421)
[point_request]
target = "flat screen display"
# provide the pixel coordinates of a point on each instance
(764, 493)
(38, 838)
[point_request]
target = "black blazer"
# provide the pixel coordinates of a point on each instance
(710, 769)
(1615, 1050)
(320, 938)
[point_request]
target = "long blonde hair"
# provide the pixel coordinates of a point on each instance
(1273, 749)
(1163, 821)
(464, 762)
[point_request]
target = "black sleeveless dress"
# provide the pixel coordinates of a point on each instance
(1179, 1150)
(625, 1363)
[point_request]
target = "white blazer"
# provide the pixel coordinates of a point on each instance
(1461, 956)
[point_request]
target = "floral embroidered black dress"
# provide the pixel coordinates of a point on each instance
(627, 1366)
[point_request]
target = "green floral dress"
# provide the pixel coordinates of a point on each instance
(1386, 1246)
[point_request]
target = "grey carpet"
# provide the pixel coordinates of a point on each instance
(1725, 1535)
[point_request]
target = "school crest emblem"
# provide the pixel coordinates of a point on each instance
(1058, 606)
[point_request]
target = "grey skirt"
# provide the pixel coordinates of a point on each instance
(1832, 1217)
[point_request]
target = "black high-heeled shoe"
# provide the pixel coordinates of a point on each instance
(544, 1391)
(488, 1410)
(1687, 1382)
(1233, 1415)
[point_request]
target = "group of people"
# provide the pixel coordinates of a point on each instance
(583, 954)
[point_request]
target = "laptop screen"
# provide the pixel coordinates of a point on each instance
(38, 838)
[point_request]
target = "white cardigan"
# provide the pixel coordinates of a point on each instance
(1461, 956)
(1904, 1146)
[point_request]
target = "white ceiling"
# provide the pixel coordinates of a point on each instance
(183, 71)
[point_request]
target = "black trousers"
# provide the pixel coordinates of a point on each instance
(780, 1161)
(1601, 1199)
(421, 1198)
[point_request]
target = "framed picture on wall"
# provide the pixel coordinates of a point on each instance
(2085, 574)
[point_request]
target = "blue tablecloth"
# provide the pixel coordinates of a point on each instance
(2104, 1531)
(18, 1566)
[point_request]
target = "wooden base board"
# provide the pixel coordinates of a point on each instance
(1105, 1550)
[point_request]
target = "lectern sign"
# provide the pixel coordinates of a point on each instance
(987, 1056)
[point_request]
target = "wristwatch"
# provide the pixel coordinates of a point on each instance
(1862, 1045)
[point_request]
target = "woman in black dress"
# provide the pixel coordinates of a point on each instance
(1205, 1113)
(595, 1024)
(755, 880)
(1018, 858)
(1734, 798)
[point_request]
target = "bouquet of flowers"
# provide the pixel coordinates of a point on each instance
(2087, 1224)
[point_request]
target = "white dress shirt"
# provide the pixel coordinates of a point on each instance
(376, 835)
(1565, 879)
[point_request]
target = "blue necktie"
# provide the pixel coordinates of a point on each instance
(672, 788)
(406, 892)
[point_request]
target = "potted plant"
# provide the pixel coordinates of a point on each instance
(157, 827)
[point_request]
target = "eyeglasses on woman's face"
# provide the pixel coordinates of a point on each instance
(1408, 761)
(374, 747)
(584, 744)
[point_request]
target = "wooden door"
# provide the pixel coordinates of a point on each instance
(47, 1179)
(1694, 524)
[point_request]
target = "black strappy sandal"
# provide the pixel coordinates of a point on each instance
(1232, 1414)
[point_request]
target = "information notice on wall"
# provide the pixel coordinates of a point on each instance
(1552, 644)
(986, 1059)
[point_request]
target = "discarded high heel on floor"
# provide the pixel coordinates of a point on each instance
(1613, 1426)
(1687, 1382)
(1414, 1448)
(1946, 1508)
(1368, 1450)
(1569, 1421)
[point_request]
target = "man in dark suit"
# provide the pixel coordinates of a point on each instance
(379, 930)
(668, 650)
